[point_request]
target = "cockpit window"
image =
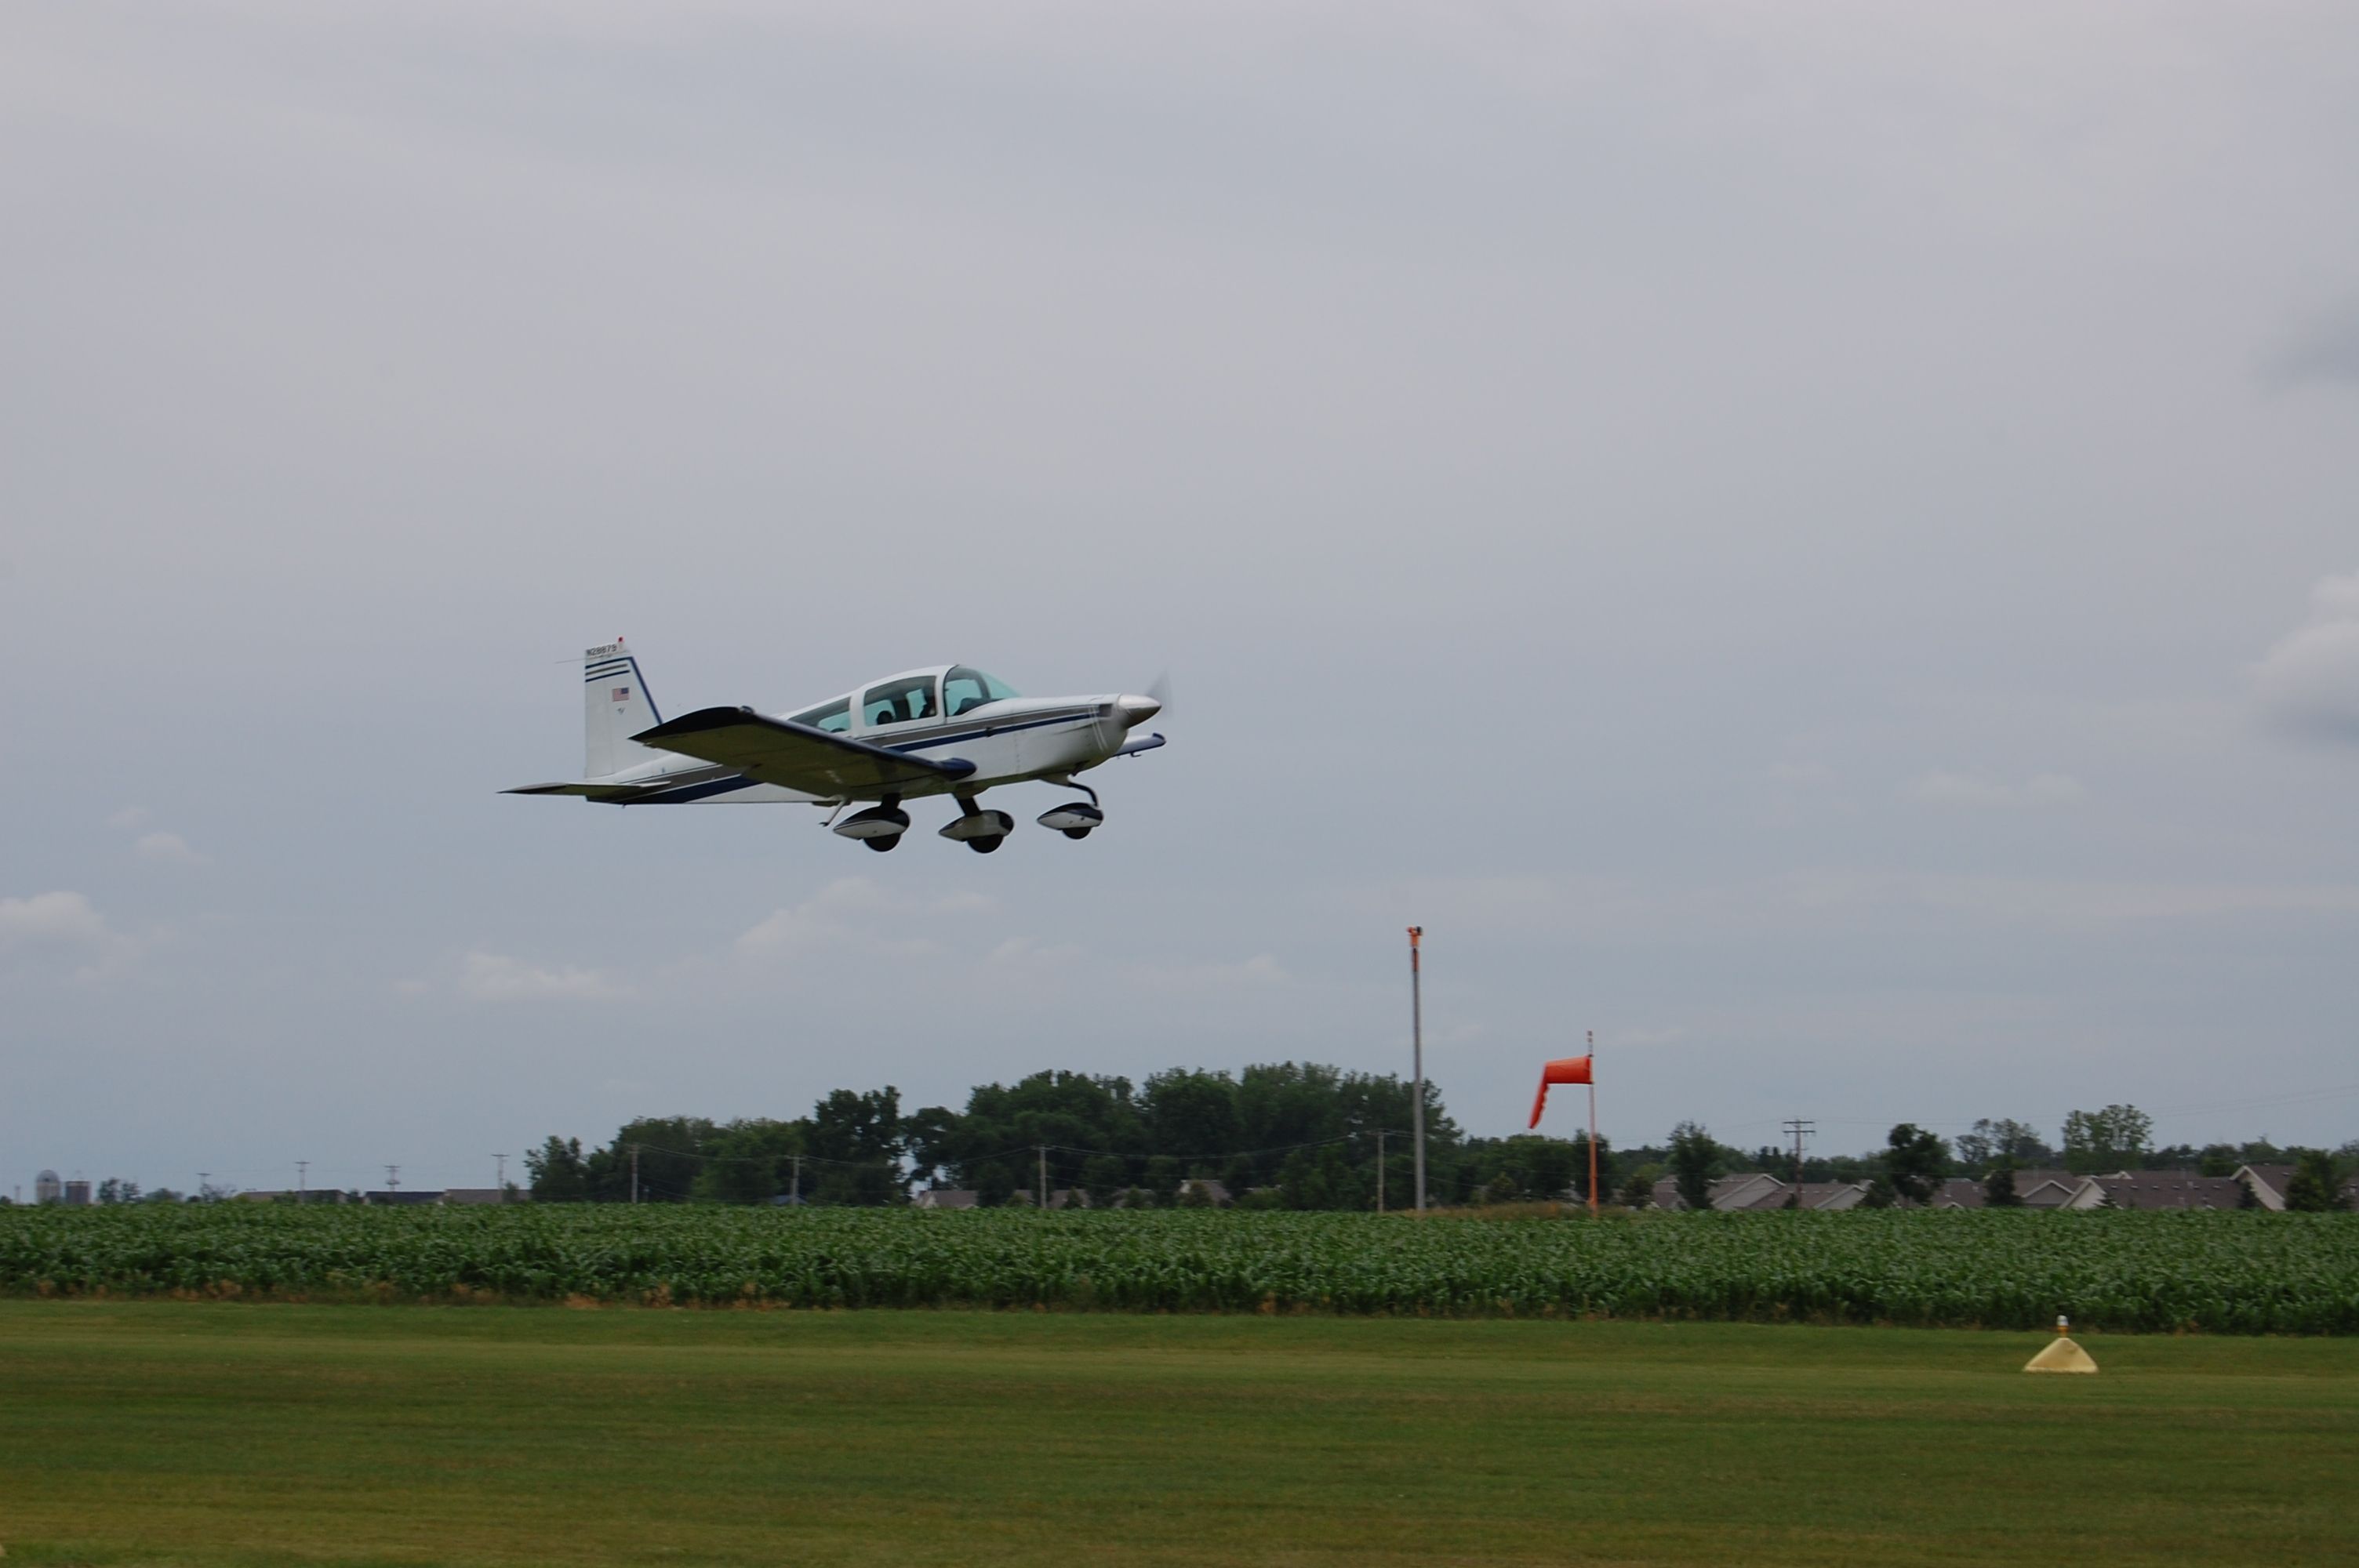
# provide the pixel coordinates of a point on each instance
(835, 715)
(898, 702)
(964, 688)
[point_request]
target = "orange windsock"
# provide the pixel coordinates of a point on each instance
(1563, 1070)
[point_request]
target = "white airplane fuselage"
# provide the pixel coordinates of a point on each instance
(1009, 741)
(947, 730)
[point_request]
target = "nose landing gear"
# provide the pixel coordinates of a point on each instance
(1074, 821)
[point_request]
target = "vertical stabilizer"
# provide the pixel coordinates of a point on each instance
(616, 707)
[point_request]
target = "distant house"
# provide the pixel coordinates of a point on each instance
(1958, 1192)
(484, 1195)
(948, 1198)
(2168, 1189)
(1207, 1190)
(2056, 1189)
(2269, 1183)
(400, 1198)
(1758, 1191)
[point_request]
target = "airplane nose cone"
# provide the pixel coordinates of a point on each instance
(1136, 710)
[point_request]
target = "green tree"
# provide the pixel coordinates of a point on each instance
(995, 1184)
(1998, 1189)
(2317, 1184)
(2114, 1139)
(1992, 1141)
(558, 1173)
(1695, 1161)
(749, 1162)
(669, 1154)
(1106, 1178)
(855, 1139)
(1914, 1160)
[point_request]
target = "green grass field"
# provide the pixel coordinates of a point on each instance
(155, 1432)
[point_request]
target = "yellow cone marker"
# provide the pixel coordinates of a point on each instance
(2062, 1354)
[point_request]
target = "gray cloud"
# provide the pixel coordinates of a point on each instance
(2309, 683)
(2324, 351)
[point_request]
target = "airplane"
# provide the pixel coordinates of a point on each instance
(945, 729)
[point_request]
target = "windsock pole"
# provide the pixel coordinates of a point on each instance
(1593, 1124)
(1416, 1059)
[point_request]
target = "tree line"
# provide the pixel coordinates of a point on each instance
(1283, 1135)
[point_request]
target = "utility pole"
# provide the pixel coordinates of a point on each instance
(1800, 1130)
(1040, 1151)
(204, 1183)
(501, 1182)
(1380, 1169)
(393, 1178)
(799, 1180)
(1416, 1058)
(634, 1173)
(302, 1179)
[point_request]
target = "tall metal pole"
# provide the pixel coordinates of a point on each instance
(799, 1180)
(1380, 1169)
(500, 1183)
(1593, 1124)
(1417, 1057)
(302, 1178)
(1040, 1153)
(634, 1173)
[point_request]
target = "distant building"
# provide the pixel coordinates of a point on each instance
(2269, 1183)
(1203, 1190)
(2168, 1189)
(481, 1196)
(77, 1194)
(405, 1197)
(292, 1195)
(46, 1188)
(948, 1198)
(1757, 1191)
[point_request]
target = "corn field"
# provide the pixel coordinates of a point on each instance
(2226, 1273)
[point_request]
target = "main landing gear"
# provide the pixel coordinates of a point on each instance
(880, 826)
(979, 830)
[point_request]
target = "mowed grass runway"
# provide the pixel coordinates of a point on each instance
(196, 1433)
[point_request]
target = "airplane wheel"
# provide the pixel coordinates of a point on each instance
(1077, 832)
(985, 846)
(881, 845)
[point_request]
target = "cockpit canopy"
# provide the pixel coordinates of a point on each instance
(918, 697)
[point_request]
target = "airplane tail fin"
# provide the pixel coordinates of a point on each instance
(616, 707)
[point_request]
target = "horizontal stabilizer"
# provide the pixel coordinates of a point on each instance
(798, 756)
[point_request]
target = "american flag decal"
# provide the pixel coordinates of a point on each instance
(622, 694)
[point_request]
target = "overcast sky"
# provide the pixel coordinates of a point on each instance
(1821, 542)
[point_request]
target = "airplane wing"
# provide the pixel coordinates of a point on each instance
(797, 756)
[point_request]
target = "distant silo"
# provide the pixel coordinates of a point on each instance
(46, 1188)
(77, 1194)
